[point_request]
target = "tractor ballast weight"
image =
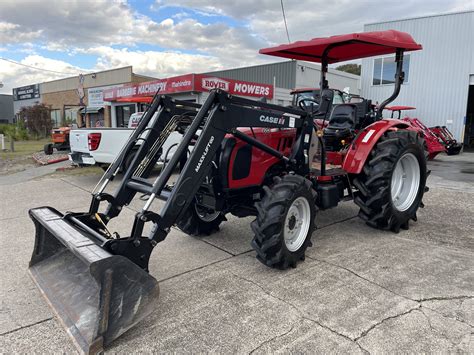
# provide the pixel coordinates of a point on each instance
(98, 282)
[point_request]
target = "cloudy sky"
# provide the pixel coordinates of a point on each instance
(163, 38)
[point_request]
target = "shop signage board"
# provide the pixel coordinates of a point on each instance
(95, 96)
(26, 92)
(189, 83)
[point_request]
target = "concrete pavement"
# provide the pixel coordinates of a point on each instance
(359, 290)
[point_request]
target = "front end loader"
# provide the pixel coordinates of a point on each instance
(237, 156)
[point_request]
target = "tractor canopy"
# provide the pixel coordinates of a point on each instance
(400, 108)
(346, 47)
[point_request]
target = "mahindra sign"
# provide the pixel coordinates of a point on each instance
(190, 83)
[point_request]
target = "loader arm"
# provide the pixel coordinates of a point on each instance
(98, 283)
(221, 114)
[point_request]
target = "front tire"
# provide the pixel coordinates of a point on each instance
(285, 222)
(392, 183)
(198, 221)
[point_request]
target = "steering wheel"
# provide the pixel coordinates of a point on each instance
(304, 107)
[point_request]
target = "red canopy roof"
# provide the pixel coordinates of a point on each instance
(400, 108)
(348, 47)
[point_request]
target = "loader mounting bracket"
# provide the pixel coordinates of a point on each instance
(137, 250)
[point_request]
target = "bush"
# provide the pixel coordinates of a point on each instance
(16, 131)
(37, 120)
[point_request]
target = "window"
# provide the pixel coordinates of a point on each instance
(56, 118)
(123, 114)
(384, 70)
(337, 99)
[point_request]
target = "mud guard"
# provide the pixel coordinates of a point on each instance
(365, 141)
(96, 295)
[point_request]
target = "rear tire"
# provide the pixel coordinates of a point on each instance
(285, 222)
(199, 222)
(392, 183)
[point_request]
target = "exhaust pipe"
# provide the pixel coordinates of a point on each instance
(97, 295)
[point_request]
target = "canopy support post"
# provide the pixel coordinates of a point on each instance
(399, 78)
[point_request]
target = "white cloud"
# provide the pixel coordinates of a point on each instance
(152, 63)
(94, 26)
(14, 75)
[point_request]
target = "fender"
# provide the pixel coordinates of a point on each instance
(365, 141)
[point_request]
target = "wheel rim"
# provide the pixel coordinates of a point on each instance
(204, 214)
(297, 223)
(405, 182)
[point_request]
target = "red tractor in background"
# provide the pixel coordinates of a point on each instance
(249, 158)
(438, 139)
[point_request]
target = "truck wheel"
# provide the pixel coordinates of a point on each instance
(392, 183)
(198, 221)
(48, 149)
(285, 222)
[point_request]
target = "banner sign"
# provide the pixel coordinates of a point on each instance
(189, 83)
(234, 87)
(26, 92)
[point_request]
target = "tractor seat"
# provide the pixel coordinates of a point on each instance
(342, 121)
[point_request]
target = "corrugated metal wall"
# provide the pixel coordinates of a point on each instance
(439, 74)
(284, 74)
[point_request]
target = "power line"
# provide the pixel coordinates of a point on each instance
(36, 68)
(284, 20)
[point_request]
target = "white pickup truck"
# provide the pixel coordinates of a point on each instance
(100, 146)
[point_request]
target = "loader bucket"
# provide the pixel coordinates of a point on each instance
(96, 295)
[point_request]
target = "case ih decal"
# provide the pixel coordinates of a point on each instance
(189, 83)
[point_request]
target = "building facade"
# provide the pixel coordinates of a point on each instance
(439, 80)
(26, 96)
(80, 98)
(6, 108)
(288, 75)
(109, 98)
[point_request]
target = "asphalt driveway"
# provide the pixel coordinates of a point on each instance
(359, 290)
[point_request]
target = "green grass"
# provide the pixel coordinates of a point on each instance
(23, 149)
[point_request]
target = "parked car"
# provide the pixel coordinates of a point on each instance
(100, 146)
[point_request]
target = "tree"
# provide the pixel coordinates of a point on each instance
(350, 68)
(37, 119)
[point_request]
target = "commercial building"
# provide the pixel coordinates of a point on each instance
(109, 98)
(439, 80)
(288, 75)
(273, 82)
(6, 108)
(80, 98)
(26, 96)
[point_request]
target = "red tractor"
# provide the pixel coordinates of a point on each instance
(438, 139)
(249, 159)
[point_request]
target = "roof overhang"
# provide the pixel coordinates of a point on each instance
(346, 47)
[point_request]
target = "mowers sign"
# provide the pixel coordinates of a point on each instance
(235, 87)
(190, 83)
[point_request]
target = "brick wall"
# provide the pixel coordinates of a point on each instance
(58, 100)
